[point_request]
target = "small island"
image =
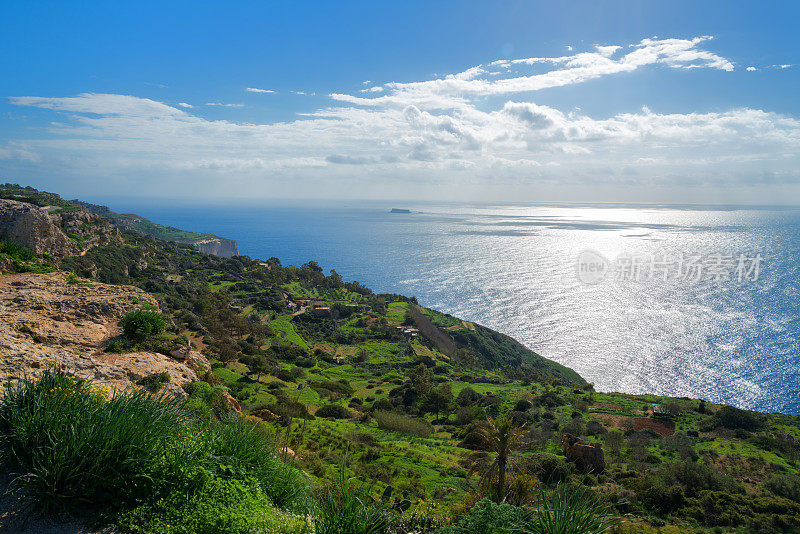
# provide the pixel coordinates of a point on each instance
(399, 210)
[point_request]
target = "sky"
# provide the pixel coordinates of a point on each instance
(690, 102)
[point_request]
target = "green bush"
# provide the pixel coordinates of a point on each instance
(138, 325)
(488, 517)
(69, 448)
(16, 251)
(347, 508)
(155, 381)
(250, 449)
(549, 468)
(403, 423)
(336, 411)
(733, 419)
(787, 486)
(219, 505)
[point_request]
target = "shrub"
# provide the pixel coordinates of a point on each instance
(404, 424)
(16, 251)
(335, 411)
(467, 397)
(784, 485)
(155, 381)
(138, 325)
(490, 518)
(346, 508)
(70, 448)
(218, 505)
(734, 418)
(550, 468)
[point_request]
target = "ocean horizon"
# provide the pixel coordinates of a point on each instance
(692, 300)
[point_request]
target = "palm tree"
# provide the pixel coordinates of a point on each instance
(500, 441)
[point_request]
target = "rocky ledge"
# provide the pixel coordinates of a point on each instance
(53, 231)
(52, 320)
(225, 248)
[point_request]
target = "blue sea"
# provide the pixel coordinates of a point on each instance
(699, 301)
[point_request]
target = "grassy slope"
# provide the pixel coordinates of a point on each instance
(374, 363)
(167, 233)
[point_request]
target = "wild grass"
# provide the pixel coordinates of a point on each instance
(250, 449)
(569, 509)
(69, 446)
(346, 507)
(402, 423)
(16, 251)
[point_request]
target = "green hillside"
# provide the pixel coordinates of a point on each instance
(400, 400)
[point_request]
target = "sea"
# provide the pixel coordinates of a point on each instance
(696, 301)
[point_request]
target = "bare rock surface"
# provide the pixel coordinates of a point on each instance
(56, 233)
(50, 320)
(32, 227)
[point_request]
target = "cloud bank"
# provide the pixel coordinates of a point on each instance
(442, 130)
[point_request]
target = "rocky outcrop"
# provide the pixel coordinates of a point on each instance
(225, 248)
(51, 320)
(587, 458)
(53, 231)
(33, 228)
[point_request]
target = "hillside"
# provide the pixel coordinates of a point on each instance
(75, 215)
(395, 393)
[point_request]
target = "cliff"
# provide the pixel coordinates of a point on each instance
(208, 243)
(53, 320)
(53, 230)
(218, 246)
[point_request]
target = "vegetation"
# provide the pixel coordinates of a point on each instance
(140, 460)
(499, 440)
(402, 417)
(140, 324)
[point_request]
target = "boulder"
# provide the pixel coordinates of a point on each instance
(587, 458)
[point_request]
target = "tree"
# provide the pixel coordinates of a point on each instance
(227, 352)
(500, 442)
(421, 378)
(439, 400)
(467, 397)
(258, 365)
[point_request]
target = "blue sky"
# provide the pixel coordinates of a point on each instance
(669, 101)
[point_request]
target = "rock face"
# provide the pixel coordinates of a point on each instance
(225, 248)
(587, 458)
(59, 234)
(50, 321)
(32, 227)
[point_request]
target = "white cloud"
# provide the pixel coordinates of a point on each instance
(751, 69)
(185, 105)
(427, 130)
(220, 104)
(257, 90)
(496, 78)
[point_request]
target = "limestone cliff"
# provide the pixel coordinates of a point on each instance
(225, 248)
(52, 320)
(53, 231)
